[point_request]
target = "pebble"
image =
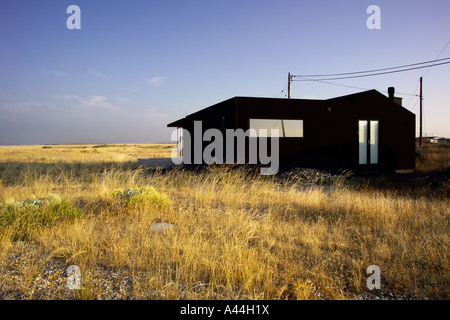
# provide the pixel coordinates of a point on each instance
(161, 226)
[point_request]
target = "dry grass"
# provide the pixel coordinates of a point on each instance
(238, 234)
(83, 153)
(433, 157)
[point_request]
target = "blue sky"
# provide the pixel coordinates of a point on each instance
(135, 66)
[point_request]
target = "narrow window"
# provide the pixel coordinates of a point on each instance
(373, 142)
(368, 132)
(362, 132)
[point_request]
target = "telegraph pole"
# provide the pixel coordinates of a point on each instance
(289, 85)
(420, 125)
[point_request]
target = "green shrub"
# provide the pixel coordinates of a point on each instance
(145, 196)
(31, 214)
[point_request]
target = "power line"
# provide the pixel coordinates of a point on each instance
(410, 99)
(283, 89)
(417, 86)
(438, 57)
(358, 88)
(372, 74)
(371, 71)
(340, 85)
(415, 104)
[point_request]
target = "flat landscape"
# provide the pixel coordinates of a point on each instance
(216, 232)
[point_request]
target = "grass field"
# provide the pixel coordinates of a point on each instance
(235, 234)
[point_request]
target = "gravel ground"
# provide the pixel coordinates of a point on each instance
(28, 273)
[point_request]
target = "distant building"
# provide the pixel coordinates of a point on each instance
(439, 140)
(365, 131)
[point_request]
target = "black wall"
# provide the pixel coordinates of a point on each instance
(330, 129)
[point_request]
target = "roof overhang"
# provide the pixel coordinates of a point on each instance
(177, 124)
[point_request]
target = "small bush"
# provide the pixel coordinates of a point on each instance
(25, 216)
(146, 196)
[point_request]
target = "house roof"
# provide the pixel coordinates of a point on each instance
(355, 95)
(369, 94)
(176, 124)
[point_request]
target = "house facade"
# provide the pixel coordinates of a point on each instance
(365, 131)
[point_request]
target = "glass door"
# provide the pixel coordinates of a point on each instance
(368, 141)
(373, 142)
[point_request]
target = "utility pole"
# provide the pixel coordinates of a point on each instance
(289, 85)
(420, 125)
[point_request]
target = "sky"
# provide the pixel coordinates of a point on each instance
(135, 66)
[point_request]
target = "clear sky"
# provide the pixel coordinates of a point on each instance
(136, 65)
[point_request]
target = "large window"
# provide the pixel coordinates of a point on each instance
(286, 128)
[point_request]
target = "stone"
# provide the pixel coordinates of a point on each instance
(161, 226)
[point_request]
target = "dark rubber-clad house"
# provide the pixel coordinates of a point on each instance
(366, 131)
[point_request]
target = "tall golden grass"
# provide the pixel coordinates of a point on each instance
(236, 235)
(433, 157)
